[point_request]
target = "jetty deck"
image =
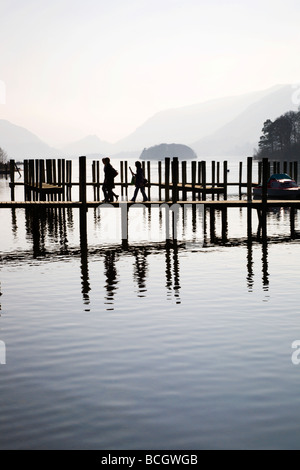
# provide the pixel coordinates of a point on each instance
(48, 185)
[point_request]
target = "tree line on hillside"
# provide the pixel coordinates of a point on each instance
(3, 158)
(280, 139)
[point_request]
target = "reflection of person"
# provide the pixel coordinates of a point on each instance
(139, 181)
(109, 175)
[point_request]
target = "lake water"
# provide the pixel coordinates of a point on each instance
(149, 345)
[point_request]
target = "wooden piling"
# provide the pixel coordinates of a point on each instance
(149, 179)
(249, 179)
(194, 176)
(167, 179)
(240, 179)
(159, 180)
(175, 178)
(12, 179)
(225, 179)
(183, 179)
(203, 180)
(126, 178)
(296, 171)
(213, 178)
(265, 177)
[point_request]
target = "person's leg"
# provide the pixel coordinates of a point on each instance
(135, 194)
(110, 195)
(144, 194)
(104, 189)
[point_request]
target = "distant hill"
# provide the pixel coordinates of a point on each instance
(159, 152)
(241, 135)
(191, 123)
(20, 144)
(229, 126)
(90, 145)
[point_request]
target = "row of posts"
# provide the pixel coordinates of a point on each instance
(172, 178)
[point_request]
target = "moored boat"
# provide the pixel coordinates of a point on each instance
(281, 186)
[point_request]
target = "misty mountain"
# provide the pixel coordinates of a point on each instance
(90, 145)
(241, 135)
(159, 152)
(191, 123)
(19, 143)
(222, 127)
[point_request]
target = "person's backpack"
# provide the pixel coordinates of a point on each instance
(114, 173)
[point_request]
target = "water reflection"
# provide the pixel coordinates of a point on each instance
(111, 275)
(140, 270)
(52, 228)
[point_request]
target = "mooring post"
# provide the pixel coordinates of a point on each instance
(126, 178)
(213, 179)
(203, 164)
(98, 180)
(94, 178)
(175, 177)
(12, 179)
(296, 171)
(249, 179)
(225, 178)
(167, 179)
(159, 180)
(265, 177)
(82, 181)
(122, 178)
(25, 176)
(149, 179)
(82, 197)
(240, 179)
(183, 177)
(194, 176)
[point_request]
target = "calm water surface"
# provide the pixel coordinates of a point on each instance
(147, 346)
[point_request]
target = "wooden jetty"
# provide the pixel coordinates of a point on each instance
(49, 183)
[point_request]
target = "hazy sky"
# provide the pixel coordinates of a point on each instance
(78, 67)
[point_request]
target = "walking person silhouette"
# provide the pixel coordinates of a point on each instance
(109, 175)
(140, 182)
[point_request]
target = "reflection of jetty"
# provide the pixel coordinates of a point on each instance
(48, 184)
(54, 227)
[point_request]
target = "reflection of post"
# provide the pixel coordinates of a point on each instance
(212, 220)
(249, 222)
(140, 271)
(224, 225)
(172, 275)
(84, 262)
(250, 275)
(168, 268)
(14, 222)
(292, 222)
(265, 277)
(176, 274)
(111, 276)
